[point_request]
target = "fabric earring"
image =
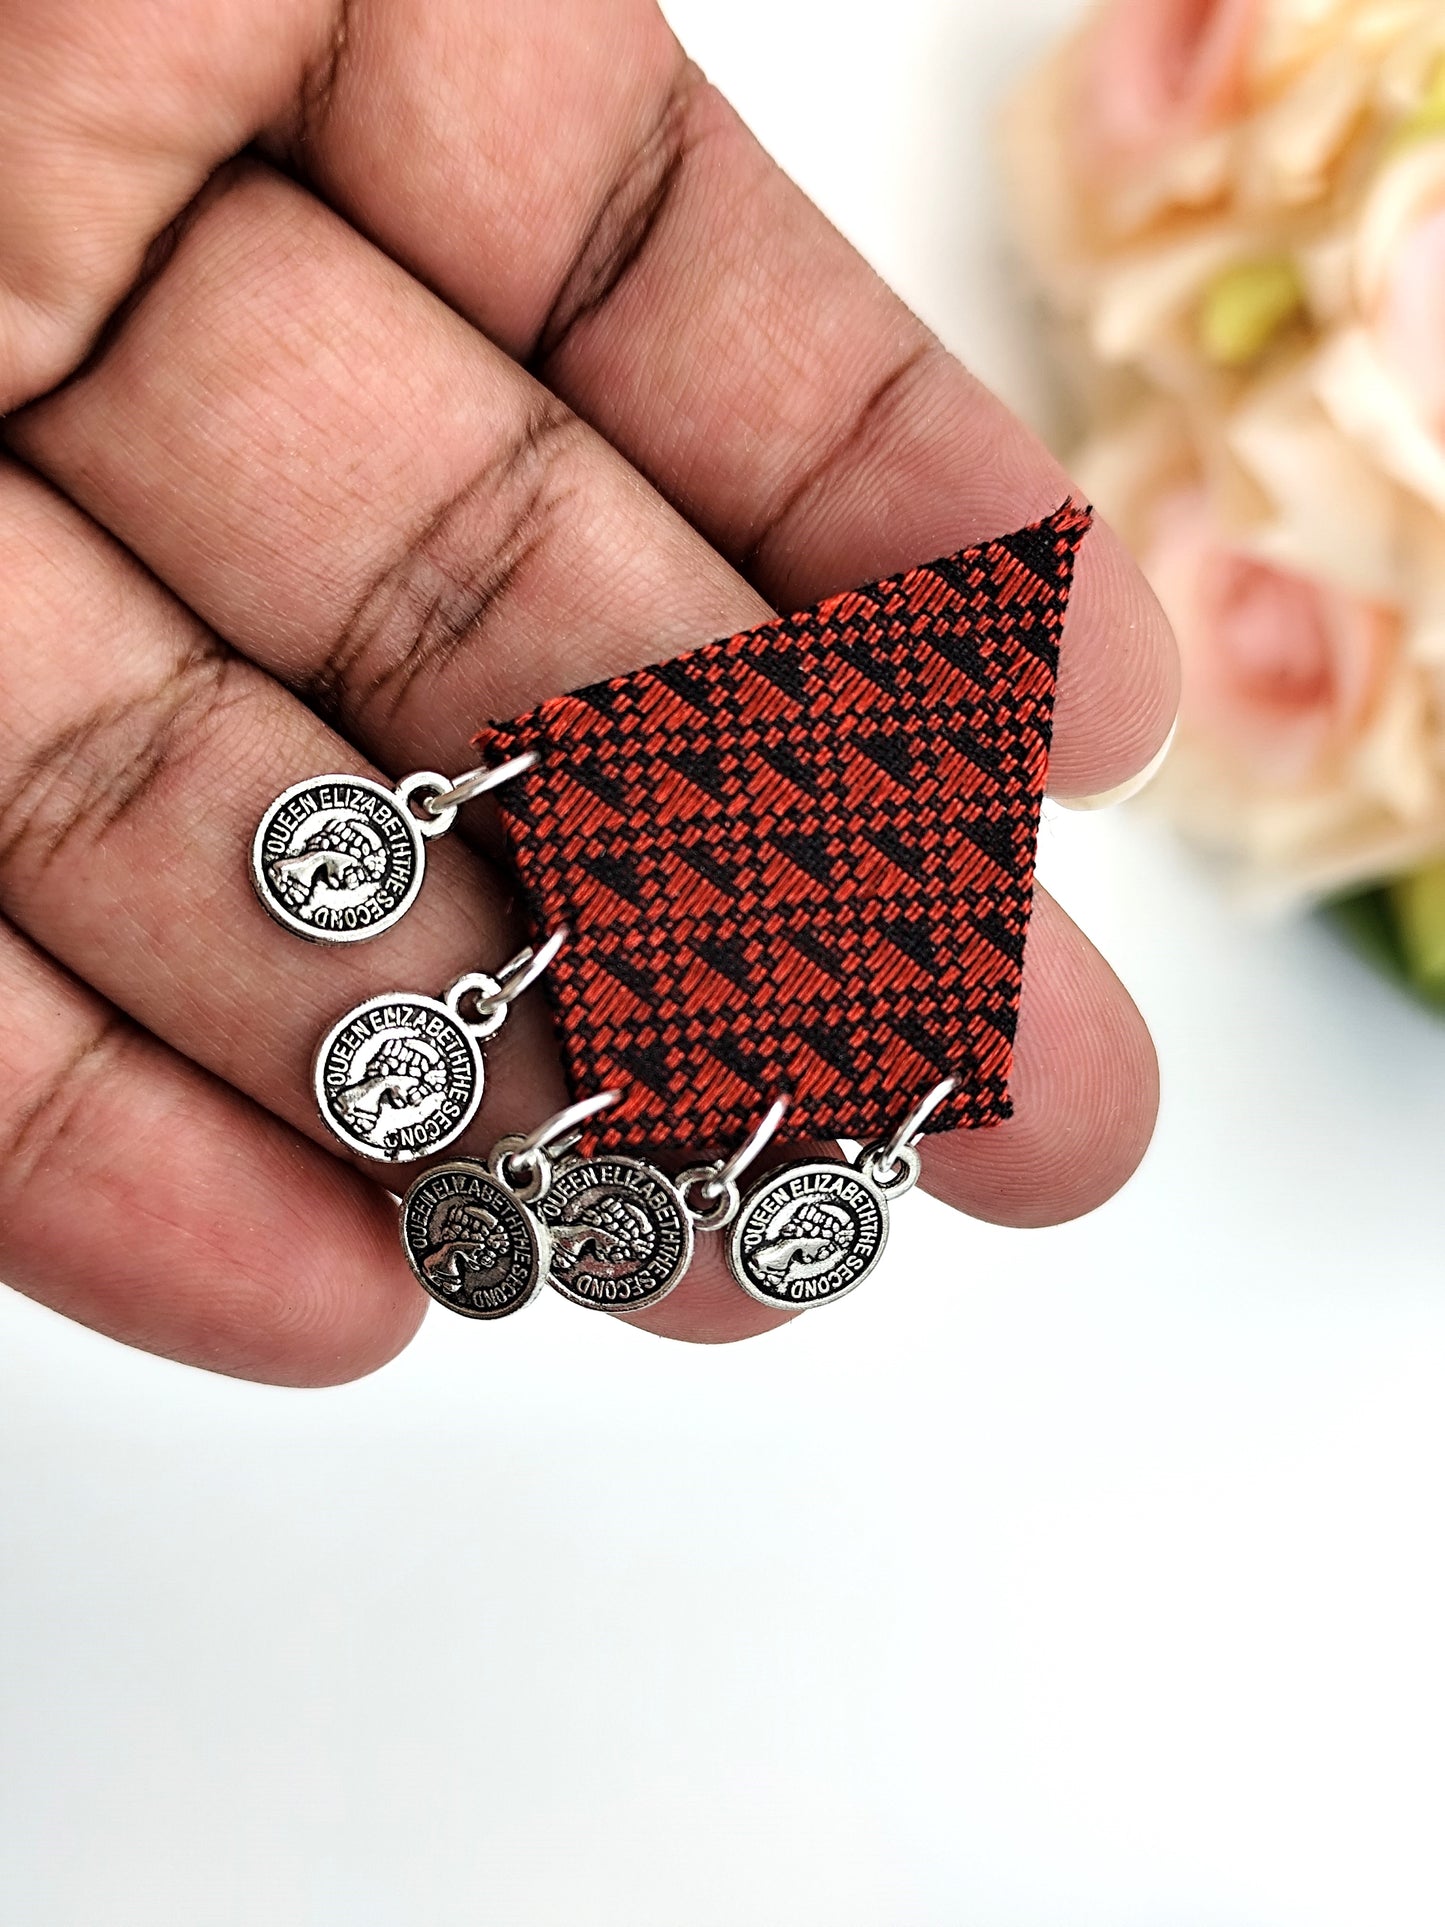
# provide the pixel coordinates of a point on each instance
(801, 858)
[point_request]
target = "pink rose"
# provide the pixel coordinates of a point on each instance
(1281, 674)
(1157, 72)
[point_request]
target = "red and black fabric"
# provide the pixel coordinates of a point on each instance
(800, 861)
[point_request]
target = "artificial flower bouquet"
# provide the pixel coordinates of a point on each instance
(1236, 212)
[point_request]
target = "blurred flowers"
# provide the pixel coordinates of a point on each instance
(1236, 212)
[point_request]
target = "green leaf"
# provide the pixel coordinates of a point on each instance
(1370, 921)
(1245, 307)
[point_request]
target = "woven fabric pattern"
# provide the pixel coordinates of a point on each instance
(800, 861)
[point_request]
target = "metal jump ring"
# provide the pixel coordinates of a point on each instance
(494, 994)
(528, 965)
(894, 1166)
(731, 1169)
(521, 1162)
(559, 1126)
(477, 782)
(528, 1176)
(719, 1202)
(911, 1129)
(717, 1184)
(438, 797)
(891, 1172)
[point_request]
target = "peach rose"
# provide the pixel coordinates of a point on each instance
(1311, 746)
(1381, 372)
(1281, 674)
(1187, 174)
(1236, 210)
(1410, 321)
(1156, 72)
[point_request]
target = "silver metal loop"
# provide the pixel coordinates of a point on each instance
(717, 1184)
(492, 996)
(911, 1129)
(437, 798)
(894, 1165)
(484, 993)
(528, 965)
(526, 1173)
(477, 782)
(721, 1199)
(563, 1124)
(731, 1169)
(429, 820)
(891, 1172)
(523, 1160)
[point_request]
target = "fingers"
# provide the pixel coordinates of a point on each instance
(688, 301)
(1085, 1089)
(611, 219)
(145, 1200)
(110, 119)
(135, 769)
(614, 224)
(382, 508)
(440, 572)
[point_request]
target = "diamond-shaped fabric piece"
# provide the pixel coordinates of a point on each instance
(800, 861)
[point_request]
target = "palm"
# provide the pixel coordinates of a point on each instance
(501, 360)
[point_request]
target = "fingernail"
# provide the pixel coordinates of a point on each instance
(1122, 792)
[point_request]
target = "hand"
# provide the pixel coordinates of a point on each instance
(501, 360)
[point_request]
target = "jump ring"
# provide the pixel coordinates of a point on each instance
(891, 1172)
(707, 1180)
(528, 965)
(490, 1002)
(522, 1168)
(425, 786)
(494, 995)
(562, 1125)
(911, 1129)
(477, 782)
(731, 1169)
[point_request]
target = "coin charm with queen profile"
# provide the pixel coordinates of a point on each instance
(807, 1234)
(399, 1077)
(338, 859)
(622, 1237)
(811, 1232)
(471, 1243)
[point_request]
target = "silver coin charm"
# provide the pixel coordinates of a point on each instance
(622, 1237)
(399, 1077)
(807, 1234)
(338, 859)
(471, 1244)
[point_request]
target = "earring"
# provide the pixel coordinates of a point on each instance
(623, 1231)
(812, 1231)
(401, 1075)
(338, 859)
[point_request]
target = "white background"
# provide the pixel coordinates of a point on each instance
(1062, 1578)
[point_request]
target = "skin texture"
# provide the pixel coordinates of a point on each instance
(369, 369)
